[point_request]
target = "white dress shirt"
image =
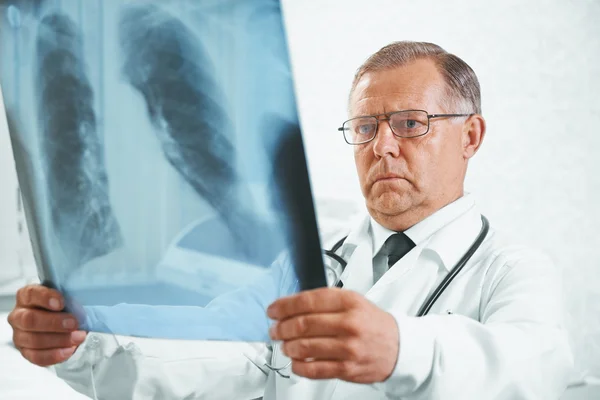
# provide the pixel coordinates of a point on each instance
(497, 332)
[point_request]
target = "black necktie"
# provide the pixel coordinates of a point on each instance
(396, 247)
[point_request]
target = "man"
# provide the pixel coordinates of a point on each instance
(496, 332)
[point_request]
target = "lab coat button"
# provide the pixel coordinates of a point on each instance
(133, 349)
(94, 342)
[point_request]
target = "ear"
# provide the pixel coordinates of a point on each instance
(472, 135)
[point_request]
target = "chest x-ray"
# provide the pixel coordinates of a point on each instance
(160, 160)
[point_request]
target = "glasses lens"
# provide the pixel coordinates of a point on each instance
(360, 130)
(409, 123)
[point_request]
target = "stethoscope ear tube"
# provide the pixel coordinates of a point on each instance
(337, 258)
(454, 271)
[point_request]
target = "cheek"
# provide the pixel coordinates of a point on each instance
(420, 157)
(428, 160)
(436, 159)
(363, 160)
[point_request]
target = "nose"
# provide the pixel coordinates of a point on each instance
(385, 142)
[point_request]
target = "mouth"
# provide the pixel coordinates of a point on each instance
(387, 177)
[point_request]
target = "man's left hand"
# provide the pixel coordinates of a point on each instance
(332, 333)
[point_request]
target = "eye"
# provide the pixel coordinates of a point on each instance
(365, 129)
(407, 124)
(364, 126)
(411, 123)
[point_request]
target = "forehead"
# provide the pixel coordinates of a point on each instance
(417, 85)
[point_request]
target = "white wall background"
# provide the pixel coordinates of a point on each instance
(536, 175)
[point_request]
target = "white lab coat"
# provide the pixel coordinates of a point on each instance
(497, 332)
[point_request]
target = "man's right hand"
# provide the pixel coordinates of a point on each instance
(43, 334)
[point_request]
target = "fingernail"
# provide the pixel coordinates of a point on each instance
(69, 323)
(55, 304)
(273, 330)
(78, 336)
(64, 353)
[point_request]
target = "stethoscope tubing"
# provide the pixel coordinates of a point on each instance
(485, 227)
(428, 304)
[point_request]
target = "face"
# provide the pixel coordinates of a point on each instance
(405, 180)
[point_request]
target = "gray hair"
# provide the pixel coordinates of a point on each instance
(462, 87)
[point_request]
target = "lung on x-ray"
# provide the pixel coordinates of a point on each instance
(161, 162)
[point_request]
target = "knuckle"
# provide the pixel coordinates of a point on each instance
(297, 368)
(12, 317)
(28, 318)
(352, 324)
(25, 353)
(346, 369)
(301, 325)
(353, 349)
(33, 356)
(313, 371)
(28, 294)
(20, 339)
(302, 349)
(360, 321)
(17, 339)
(306, 369)
(351, 298)
(308, 302)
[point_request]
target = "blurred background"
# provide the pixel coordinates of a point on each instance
(535, 177)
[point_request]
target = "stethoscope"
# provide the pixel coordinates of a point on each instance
(429, 302)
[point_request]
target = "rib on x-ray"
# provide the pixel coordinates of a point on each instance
(167, 64)
(160, 157)
(77, 184)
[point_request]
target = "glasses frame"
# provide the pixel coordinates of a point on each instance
(389, 115)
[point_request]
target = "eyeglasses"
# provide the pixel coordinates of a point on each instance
(404, 124)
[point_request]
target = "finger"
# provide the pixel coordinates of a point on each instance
(313, 325)
(46, 341)
(322, 300)
(40, 296)
(322, 349)
(45, 358)
(324, 369)
(34, 320)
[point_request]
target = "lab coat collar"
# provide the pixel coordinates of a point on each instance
(443, 232)
(452, 241)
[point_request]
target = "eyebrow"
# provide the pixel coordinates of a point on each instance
(389, 112)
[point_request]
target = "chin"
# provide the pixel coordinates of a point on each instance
(389, 203)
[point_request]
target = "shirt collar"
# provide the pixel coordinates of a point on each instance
(423, 232)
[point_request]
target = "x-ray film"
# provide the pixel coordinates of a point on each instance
(161, 163)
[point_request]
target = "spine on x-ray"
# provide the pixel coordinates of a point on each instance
(77, 185)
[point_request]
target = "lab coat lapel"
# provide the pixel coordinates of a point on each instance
(358, 275)
(383, 285)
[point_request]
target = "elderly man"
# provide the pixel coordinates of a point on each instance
(495, 332)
